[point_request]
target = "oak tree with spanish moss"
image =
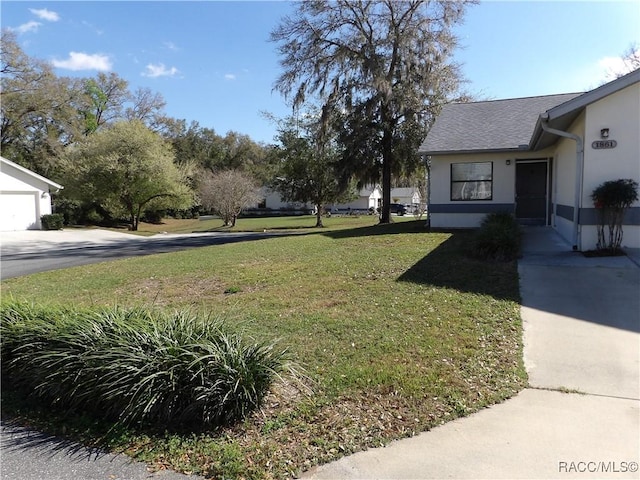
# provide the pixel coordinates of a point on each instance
(380, 69)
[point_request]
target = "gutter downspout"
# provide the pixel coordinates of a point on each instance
(544, 118)
(428, 199)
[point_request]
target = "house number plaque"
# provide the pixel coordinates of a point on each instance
(604, 144)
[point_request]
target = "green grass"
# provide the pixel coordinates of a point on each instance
(397, 328)
(297, 223)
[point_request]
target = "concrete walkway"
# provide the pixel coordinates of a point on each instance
(581, 334)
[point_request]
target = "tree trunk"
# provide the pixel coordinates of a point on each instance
(385, 215)
(132, 221)
(319, 216)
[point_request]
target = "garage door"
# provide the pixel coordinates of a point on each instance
(18, 211)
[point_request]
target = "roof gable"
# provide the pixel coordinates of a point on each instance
(4, 161)
(511, 124)
(488, 126)
(562, 116)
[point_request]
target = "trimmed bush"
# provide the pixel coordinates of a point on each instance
(135, 366)
(54, 221)
(498, 238)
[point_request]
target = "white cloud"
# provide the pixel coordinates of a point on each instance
(229, 76)
(613, 67)
(45, 14)
(83, 61)
(159, 70)
(31, 26)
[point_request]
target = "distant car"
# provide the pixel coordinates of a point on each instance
(398, 209)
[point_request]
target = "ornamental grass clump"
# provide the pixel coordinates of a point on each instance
(498, 238)
(136, 366)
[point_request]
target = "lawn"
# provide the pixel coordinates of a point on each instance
(397, 329)
(259, 224)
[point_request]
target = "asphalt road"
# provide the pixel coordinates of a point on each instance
(31, 455)
(16, 259)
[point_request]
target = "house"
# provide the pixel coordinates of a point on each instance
(24, 197)
(369, 196)
(406, 196)
(272, 200)
(538, 157)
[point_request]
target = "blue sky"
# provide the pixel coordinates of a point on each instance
(212, 61)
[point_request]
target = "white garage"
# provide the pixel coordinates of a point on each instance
(24, 197)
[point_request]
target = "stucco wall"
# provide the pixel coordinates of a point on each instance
(620, 113)
(468, 214)
(564, 185)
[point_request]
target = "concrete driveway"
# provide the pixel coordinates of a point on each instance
(580, 417)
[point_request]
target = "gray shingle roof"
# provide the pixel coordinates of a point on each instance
(488, 126)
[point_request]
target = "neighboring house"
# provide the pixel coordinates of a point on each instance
(272, 200)
(24, 197)
(405, 196)
(370, 196)
(538, 157)
(367, 197)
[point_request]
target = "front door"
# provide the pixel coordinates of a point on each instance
(531, 192)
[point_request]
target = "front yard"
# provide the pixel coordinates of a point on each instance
(396, 328)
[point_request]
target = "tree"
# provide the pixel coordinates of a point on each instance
(227, 193)
(210, 151)
(626, 63)
(631, 59)
(307, 166)
(127, 169)
(382, 67)
(147, 107)
(611, 199)
(106, 95)
(38, 111)
(41, 114)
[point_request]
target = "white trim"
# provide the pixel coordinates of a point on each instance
(30, 173)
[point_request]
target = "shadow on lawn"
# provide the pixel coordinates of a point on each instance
(449, 265)
(417, 226)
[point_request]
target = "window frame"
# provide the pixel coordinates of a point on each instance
(470, 180)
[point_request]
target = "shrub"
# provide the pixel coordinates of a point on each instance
(498, 238)
(70, 209)
(611, 199)
(153, 216)
(135, 366)
(53, 221)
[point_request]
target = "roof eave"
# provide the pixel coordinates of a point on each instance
(571, 109)
(32, 174)
(594, 95)
(474, 151)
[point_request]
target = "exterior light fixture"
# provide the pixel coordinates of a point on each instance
(508, 162)
(604, 133)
